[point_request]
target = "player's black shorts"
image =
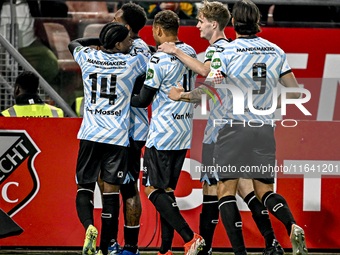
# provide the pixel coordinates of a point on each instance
(245, 152)
(135, 150)
(108, 159)
(207, 173)
(162, 167)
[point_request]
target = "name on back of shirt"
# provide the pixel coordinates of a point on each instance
(101, 112)
(177, 116)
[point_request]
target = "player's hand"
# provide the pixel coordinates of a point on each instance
(167, 47)
(175, 92)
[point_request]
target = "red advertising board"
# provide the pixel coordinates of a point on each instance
(51, 146)
(38, 159)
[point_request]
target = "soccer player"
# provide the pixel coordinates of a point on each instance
(170, 130)
(108, 78)
(212, 20)
(245, 60)
(134, 18)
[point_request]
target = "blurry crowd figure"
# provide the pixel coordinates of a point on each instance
(184, 10)
(299, 13)
(29, 45)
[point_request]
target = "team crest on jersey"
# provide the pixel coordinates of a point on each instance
(216, 63)
(210, 54)
(19, 180)
(150, 74)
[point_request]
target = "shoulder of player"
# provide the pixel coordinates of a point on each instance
(84, 49)
(275, 46)
(161, 58)
(186, 48)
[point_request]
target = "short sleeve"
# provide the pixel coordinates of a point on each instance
(154, 73)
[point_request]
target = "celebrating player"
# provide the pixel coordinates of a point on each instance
(170, 131)
(108, 78)
(212, 19)
(134, 18)
(243, 62)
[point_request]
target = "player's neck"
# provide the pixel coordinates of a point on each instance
(216, 36)
(170, 39)
(238, 35)
(133, 35)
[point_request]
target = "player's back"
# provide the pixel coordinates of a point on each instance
(108, 82)
(171, 121)
(253, 65)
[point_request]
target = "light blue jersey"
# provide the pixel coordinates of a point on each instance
(108, 81)
(215, 106)
(139, 121)
(249, 64)
(171, 121)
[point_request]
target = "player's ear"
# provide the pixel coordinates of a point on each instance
(117, 45)
(215, 24)
(128, 27)
(159, 31)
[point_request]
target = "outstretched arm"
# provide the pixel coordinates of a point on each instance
(192, 63)
(194, 96)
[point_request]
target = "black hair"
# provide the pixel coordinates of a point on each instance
(246, 17)
(168, 20)
(28, 81)
(134, 15)
(112, 33)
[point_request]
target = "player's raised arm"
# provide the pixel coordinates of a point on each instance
(194, 64)
(83, 42)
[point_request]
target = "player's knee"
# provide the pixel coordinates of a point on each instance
(129, 191)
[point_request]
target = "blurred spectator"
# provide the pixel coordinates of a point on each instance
(184, 10)
(53, 9)
(299, 13)
(27, 101)
(29, 45)
(78, 106)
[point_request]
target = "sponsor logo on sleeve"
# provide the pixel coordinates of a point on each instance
(149, 74)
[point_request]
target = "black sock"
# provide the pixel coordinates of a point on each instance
(110, 214)
(261, 217)
(167, 231)
(167, 234)
(208, 220)
(84, 205)
(131, 238)
(232, 222)
(278, 206)
(168, 209)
